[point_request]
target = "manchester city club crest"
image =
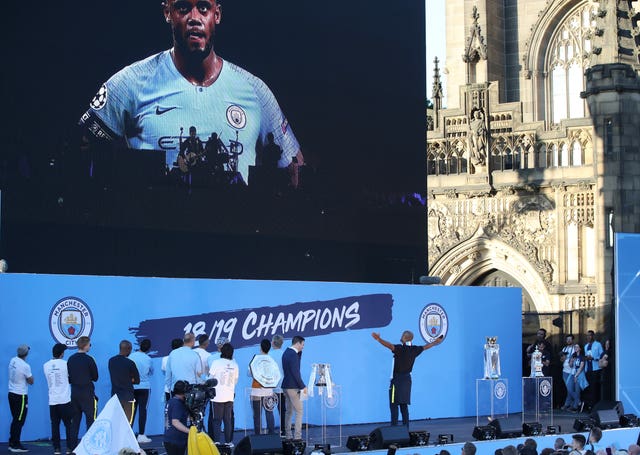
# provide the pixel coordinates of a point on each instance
(98, 440)
(545, 388)
(433, 322)
(236, 117)
(500, 390)
(70, 319)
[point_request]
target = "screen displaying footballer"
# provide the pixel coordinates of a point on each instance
(240, 115)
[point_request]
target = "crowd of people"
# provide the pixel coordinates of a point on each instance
(72, 391)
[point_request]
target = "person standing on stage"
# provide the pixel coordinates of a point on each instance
(293, 386)
(175, 344)
(184, 363)
(276, 344)
(141, 390)
(124, 374)
(55, 370)
(83, 372)
(404, 355)
(226, 372)
(592, 353)
(261, 396)
(20, 378)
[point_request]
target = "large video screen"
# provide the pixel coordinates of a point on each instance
(300, 138)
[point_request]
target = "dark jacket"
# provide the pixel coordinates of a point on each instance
(291, 369)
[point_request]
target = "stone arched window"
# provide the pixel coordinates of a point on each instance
(566, 61)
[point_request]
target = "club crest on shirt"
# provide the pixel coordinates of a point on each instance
(99, 101)
(70, 318)
(433, 322)
(236, 117)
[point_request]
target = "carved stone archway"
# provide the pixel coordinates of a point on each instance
(469, 261)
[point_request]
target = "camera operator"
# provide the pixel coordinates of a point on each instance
(176, 429)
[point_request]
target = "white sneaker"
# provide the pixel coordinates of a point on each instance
(142, 439)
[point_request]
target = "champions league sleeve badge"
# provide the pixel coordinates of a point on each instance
(99, 101)
(70, 318)
(433, 322)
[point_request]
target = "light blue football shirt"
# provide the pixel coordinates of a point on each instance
(148, 102)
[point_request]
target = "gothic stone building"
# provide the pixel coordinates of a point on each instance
(535, 161)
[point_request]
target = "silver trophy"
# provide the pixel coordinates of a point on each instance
(491, 358)
(536, 364)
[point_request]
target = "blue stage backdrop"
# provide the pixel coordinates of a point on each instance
(337, 320)
(627, 285)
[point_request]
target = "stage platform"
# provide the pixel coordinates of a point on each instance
(460, 428)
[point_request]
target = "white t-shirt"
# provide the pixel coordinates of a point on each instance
(55, 370)
(227, 373)
(19, 372)
(568, 350)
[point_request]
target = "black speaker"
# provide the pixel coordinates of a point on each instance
(418, 438)
(531, 429)
(504, 433)
(484, 433)
(383, 437)
(358, 443)
(259, 444)
(293, 447)
(583, 424)
(606, 419)
(604, 405)
(629, 420)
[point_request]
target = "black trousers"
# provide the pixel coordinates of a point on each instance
(142, 398)
(19, 405)
(86, 404)
(174, 449)
(60, 413)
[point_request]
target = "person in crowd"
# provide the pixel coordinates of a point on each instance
(606, 368)
(593, 444)
(20, 378)
(578, 442)
(293, 387)
(546, 358)
(404, 356)
(184, 363)
(226, 372)
(83, 372)
(634, 449)
(175, 344)
(141, 391)
(124, 374)
(60, 409)
(592, 353)
(559, 442)
(276, 345)
(509, 450)
(469, 448)
(176, 421)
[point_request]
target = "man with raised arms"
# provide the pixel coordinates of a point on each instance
(404, 355)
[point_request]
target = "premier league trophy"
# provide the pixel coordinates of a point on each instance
(536, 364)
(492, 358)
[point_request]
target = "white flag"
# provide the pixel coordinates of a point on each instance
(109, 433)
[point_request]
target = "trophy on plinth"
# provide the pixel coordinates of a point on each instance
(536, 364)
(321, 378)
(492, 358)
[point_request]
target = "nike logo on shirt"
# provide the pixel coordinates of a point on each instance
(164, 110)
